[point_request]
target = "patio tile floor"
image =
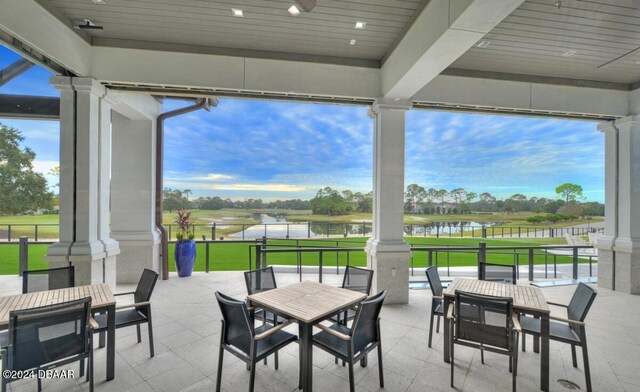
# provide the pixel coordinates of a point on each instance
(187, 332)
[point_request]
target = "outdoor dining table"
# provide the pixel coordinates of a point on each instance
(307, 303)
(526, 299)
(102, 299)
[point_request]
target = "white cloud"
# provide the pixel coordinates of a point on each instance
(214, 177)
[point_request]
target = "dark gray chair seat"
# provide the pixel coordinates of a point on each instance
(123, 318)
(264, 346)
(333, 343)
(561, 332)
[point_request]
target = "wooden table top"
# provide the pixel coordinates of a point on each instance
(101, 296)
(308, 302)
(524, 297)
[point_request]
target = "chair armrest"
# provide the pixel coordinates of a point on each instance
(271, 331)
(450, 312)
(127, 293)
(135, 305)
(557, 304)
(333, 332)
(516, 323)
(93, 323)
(575, 322)
(436, 296)
(251, 308)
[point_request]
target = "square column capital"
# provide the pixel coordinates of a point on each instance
(89, 85)
(382, 104)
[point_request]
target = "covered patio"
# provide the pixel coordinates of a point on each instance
(563, 59)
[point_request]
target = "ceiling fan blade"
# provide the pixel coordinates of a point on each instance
(308, 5)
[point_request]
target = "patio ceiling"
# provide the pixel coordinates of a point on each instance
(578, 59)
(585, 40)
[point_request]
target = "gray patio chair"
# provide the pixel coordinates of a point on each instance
(353, 344)
(497, 272)
(355, 279)
(436, 300)
(496, 330)
(570, 330)
(258, 281)
(48, 279)
(249, 344)
(48, 337)
(136, 313)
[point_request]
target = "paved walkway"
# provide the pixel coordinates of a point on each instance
(187, 327)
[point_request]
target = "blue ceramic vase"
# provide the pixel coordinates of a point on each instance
(185, 254)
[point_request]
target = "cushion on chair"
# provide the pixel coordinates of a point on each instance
(557, 331)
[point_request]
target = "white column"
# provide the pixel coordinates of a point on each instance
(619, 248)
(84, 182)
(133, 197)
(387, 253)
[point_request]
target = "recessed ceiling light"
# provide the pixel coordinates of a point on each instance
(483, 44)
(237, 12)
(569, 53)
(98, 1)
(352, 42)
(360, 25)
(293, 10)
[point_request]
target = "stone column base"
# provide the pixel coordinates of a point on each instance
(136, 255)
(390, 261)
(624, 276)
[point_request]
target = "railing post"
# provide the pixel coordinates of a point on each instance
(206, 260)
(287, 231)
(258, 255)
(308, 229)
(484, 232)
(213, 231)
(23, 263)
(530, 264)
(8, 232)
(482, 258)
(320, 266)
(519, 229)
(551, 233)
(263, 259)
(430, 258)
(36, 233)
(575, 262)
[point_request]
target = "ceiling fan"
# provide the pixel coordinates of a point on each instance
(308, 5)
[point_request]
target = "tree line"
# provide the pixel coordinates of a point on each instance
(174, 199)
(419, 200)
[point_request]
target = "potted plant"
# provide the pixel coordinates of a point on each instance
(185, 252)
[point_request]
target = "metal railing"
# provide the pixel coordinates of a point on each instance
(258, 251)
(10, 232)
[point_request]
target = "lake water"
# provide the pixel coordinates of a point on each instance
(278, 227)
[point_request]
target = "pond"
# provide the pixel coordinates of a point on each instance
(278, 227)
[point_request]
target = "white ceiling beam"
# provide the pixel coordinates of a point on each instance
(236, 73)
(525, 96)
(34, 26)
(444, 31)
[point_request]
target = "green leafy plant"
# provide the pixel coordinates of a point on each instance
(184, 221)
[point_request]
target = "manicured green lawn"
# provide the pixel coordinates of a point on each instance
(227, 256)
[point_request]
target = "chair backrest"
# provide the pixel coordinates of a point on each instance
(260, 280)
(365, 328)
(580, 303)
(492, 323)
(236, 330)
(497, 273)
(357, 279)
(145, 287)
(48, 279)
(49, 333)
(434, 281)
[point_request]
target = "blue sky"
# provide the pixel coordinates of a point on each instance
(282, 150)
